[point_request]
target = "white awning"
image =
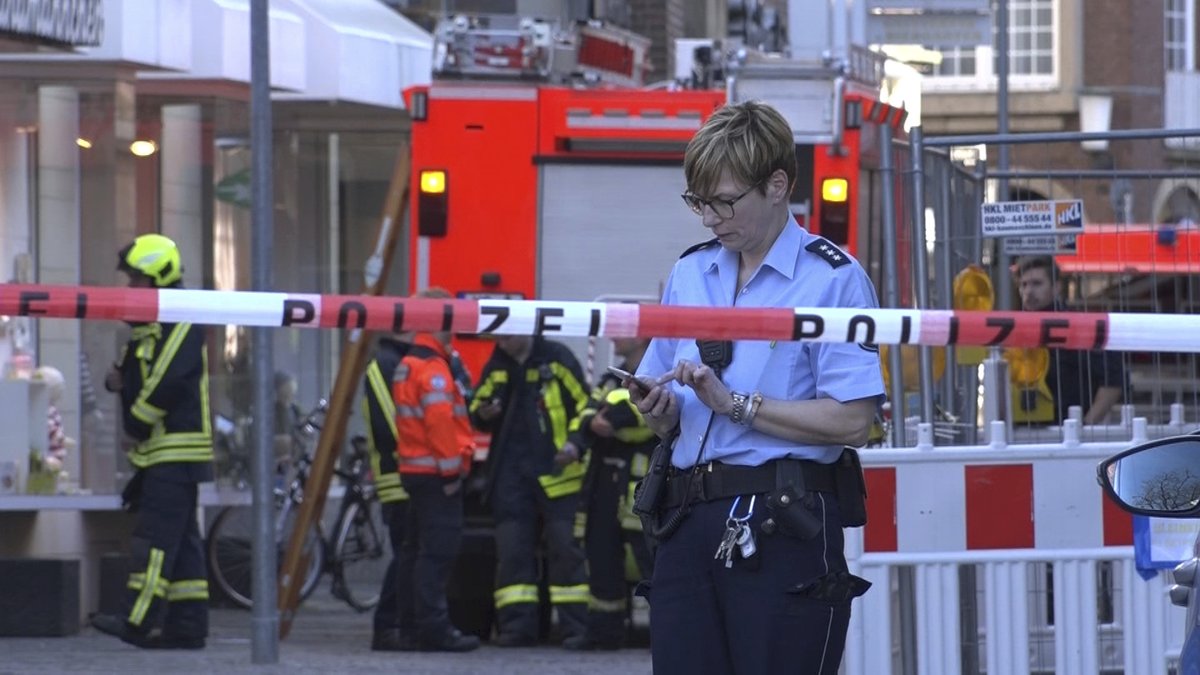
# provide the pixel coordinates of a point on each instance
(216, 34)
(360, 51)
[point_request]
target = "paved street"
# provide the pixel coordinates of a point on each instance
(326, 638)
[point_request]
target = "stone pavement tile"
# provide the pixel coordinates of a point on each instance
(327, 637)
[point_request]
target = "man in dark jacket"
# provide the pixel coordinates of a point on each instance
(162, 377)
(393, 628)
(1095, 381)
(528, 393)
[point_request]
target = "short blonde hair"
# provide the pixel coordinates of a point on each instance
(751, 140)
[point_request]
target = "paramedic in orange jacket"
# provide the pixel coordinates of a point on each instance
(434, 448)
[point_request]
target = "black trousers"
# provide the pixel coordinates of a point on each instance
(388, 613)
(168, 582)
(432, 538)
(604, 542)
(520, 504)
(753, 617)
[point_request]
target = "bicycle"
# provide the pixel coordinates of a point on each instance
(355, 553)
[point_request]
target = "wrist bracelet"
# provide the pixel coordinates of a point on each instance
(738, 414)
(756, 400)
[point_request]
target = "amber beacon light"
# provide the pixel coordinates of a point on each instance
(433, 206)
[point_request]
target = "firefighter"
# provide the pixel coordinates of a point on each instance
(529, 391)
(435, 446)
(618, 444)
(162, 378)
(393, 630)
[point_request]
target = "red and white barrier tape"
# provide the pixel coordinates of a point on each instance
(1073, 330)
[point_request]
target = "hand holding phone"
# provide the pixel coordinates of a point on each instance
(634, 380)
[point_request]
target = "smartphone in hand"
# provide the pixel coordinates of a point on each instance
(641, 384)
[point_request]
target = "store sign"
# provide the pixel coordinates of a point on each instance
(1047, 217)
(1041, 244)
(79, 23)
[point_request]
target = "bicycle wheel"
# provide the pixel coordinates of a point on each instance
(229, 553)
(360, 555)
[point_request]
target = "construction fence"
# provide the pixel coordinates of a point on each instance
(1056, 594)
(1136, 249)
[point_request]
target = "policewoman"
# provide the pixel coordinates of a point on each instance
(749, 574)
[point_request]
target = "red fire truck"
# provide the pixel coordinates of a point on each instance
(536, 188)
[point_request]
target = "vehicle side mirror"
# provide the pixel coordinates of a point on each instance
(1160, 478)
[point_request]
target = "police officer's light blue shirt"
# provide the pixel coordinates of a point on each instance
(791, 275)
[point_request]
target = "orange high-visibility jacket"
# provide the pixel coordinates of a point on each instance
(432, 429)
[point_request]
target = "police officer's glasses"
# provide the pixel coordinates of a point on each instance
(722, 207)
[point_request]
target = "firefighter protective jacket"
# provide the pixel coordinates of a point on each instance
(432, 430)
(631, 432)
(164, 394)
(629, 447)
(380, 412)
(540, 398)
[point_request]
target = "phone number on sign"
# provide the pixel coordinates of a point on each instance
(1027, 218)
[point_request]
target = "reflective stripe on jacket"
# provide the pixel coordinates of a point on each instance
(164, 394)
(380, 412)
(550, 389)
(432, 429)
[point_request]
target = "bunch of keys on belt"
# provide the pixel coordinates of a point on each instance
(738, 535)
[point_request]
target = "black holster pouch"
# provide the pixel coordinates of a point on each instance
(851, 489)
(131, 496)
(789, 513)
(650, 489)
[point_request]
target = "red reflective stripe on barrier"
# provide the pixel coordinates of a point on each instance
(717, 323)
(1118, 525)
(352, 311)
(138, 305)
(77, 302)
(1070, 330)
(879, 535)
(458, 316)
(999, 506)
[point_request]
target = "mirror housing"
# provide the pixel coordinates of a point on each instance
(1160, 478)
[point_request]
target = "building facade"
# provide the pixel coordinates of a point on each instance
(142, 125)
(148, 131)
(1117, 65)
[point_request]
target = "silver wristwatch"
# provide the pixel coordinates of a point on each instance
(740, 402)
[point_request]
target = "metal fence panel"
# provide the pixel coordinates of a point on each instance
(1140, 251)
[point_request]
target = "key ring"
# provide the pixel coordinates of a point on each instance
(733, 520)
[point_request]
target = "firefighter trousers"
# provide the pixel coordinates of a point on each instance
(605, 542)
(432, 537)
(168, 583)
(388, 613)
(518, 507)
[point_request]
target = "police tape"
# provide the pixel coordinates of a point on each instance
(1070, 330)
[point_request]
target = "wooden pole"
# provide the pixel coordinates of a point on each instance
(354, 361)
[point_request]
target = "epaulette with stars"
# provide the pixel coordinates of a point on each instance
(828, 252)
(698, 247)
